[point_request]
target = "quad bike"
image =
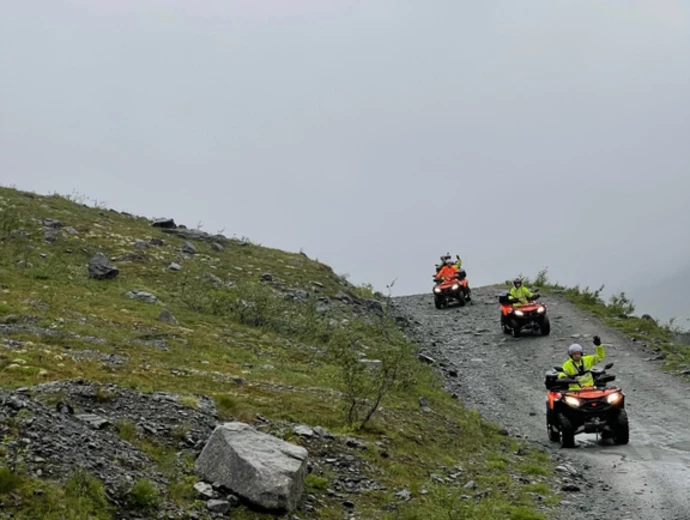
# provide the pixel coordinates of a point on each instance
(455, 288)
(530, 316)
(592, 409)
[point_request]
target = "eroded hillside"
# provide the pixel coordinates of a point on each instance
(127, 341)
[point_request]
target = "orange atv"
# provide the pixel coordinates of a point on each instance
(529, 316)
(593, 409)
(452, 288)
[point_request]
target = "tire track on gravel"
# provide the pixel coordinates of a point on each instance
(503, 378)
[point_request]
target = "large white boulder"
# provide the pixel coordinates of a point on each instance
(263, 469)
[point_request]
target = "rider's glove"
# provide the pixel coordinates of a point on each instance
(597, 340)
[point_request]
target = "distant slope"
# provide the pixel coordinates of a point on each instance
(666, 299)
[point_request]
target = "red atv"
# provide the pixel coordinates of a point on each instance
(530, 316)
(592, 409)
(449, 289)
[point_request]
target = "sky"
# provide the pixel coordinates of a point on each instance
(374, 135)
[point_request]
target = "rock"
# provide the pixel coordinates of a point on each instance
(405, 495)
(204, 490)
(142, 296)
(323, 433)
(94, 421)
(570, 487)
(218, 506)
(167, 223)
(51, 234)
(426, 359)
(188, 248)
(267, 277)
(260, 468)
(156, 242)
(174, 267)
(210, 277)
(303, 430)
(141, 244)
(216, 246)
(166, 317)
(470, 485)
(101, 269)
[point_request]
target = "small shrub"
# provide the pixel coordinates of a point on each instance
(620, 305)
(189, 401)
(315, 482)
(126, 429)
(83, 485)
(9, 480)
(143, 496)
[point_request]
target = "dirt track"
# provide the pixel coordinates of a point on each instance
(503, 378)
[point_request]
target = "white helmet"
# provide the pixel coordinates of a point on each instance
(574, 348)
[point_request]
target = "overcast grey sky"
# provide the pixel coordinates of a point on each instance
(374, 134)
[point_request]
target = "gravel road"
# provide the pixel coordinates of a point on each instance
(503, 378)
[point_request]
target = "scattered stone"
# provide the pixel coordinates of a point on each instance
(166, 223)
(188, 248)
(216, 246)
(142, 296)
(323, 433)
(260, 468)
(166, 317)
(94, 421)
(175, 267)
(267, 277)
(570, 487)
(303, 430)
(141, 244)
(101, 269)
(204, 490)
(218, 506)
(156, 242)
(426, 359)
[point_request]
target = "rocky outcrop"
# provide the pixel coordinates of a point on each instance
(265, 470)
(101, 269)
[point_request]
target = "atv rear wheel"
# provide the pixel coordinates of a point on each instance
(545, 326)
(621, 429)
(567, 432)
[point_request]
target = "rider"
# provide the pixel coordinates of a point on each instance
(577, 363)
(443, 262)
(448, 270)
(520, 293)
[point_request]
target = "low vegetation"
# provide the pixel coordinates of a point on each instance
(264, 333)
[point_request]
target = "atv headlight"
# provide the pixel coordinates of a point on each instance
(541, 310)
(572, 401)
(437, 290)
(519, 313)
(613, 398)
(456, 287)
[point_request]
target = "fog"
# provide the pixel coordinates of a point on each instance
(373, 135)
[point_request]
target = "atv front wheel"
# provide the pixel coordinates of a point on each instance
(621, 429)
(461, 299)
(567, 432)
(545, 326)
(438, 303)
(516, 331)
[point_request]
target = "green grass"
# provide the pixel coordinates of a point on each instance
(313, 376)
(618, 313)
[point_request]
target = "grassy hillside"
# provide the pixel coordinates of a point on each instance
(273, 338)
(666, 341)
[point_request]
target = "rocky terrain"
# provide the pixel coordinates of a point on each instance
(503, 378)
(148, 370)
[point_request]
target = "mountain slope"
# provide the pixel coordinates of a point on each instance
(111, 385)
(667, 298)
(503, 378)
